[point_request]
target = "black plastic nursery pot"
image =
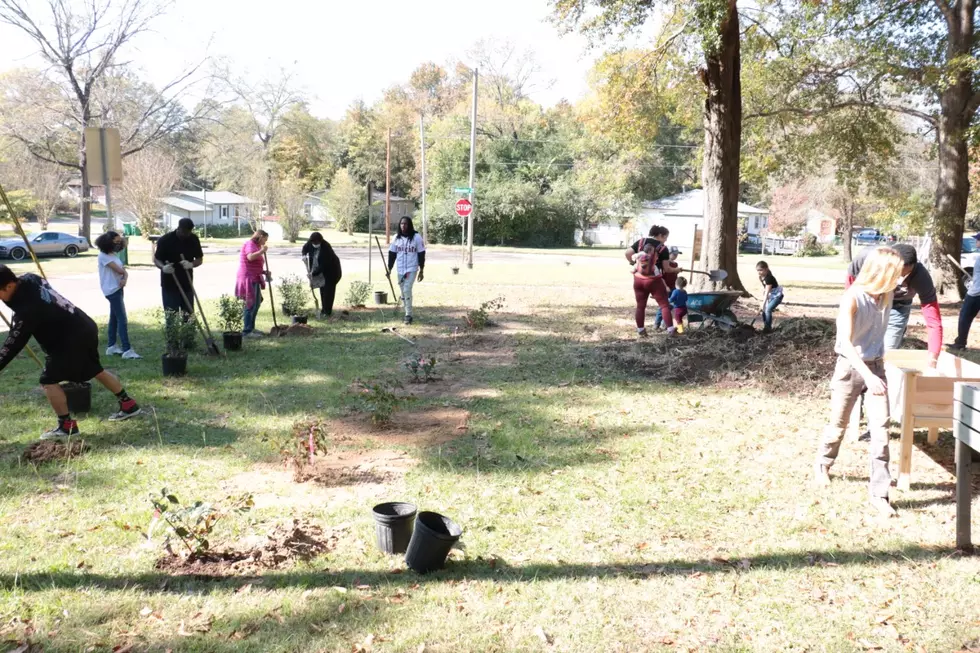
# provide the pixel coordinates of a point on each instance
(393, 526)
(433, 539)
(299, 319)
(380, 297)
(232, 340)
(79, 396)
(174, 366)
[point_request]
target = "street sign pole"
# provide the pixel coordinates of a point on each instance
(110, 223)
(469, 223)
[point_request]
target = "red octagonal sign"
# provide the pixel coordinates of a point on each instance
(464, 207)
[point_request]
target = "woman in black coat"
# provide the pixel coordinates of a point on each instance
(324, 268)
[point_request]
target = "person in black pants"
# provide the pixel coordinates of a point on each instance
(69, 339)
(324, 267)
(177, 254)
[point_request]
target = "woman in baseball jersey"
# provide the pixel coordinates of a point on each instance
(406, 257)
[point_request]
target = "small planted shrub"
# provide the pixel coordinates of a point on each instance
(378, 399)
(479, 318)
(232, 316)
(357, 293)
(421, 367)
(193, 524)
(295, 294)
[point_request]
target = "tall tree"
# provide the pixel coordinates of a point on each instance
(267, 101)
(150, 175)
(711, 28)
(82, 44)
(345, 201)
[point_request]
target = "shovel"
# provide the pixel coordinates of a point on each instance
(309, 273)
(212, 347)
(272, 300)
(395, 331)
(387, 271)
(714, 275)
(966, 277)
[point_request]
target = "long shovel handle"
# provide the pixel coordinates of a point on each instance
(272, 299)
(193, 313)
(394, 295)
(200, 308)
(309, 273)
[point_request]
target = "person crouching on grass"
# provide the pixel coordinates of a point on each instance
(68, 337)
(862, 322)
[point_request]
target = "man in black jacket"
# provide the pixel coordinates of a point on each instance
(68, 337)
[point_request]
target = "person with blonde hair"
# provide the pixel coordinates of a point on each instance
(861, 325)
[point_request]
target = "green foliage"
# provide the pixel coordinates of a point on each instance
(479, 318)
(193, 524)
(358, 293)
(295, 294)
(178, 332)
(904, 214)
(230, 230)
(378, 398)
(421, 367)
(812, 247)
(22, 202)
(346, 201)
(232, 313)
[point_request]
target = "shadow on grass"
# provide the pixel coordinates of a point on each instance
(479, 569)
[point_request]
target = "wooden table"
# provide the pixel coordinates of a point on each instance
(920, 397)
(966, 430)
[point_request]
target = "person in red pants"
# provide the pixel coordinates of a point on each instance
(648, 280)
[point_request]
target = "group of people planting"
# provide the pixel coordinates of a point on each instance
(70, 339)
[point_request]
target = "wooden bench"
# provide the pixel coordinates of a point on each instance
(920, 397)
(966, 430)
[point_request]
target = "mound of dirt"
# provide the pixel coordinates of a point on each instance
(797, 358)
(292, 330)
(281, 548)
(44, 451)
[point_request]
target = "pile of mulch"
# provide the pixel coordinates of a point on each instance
(797, 358)
(291, 330)
(44, 451)
(281, 548)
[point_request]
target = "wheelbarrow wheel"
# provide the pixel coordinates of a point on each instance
(725, 320)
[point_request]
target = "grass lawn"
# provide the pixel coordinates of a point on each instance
(604, 510)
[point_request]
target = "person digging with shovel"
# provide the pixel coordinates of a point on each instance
(177, 254)
(68, 337)
(407, 251)
(251, 279)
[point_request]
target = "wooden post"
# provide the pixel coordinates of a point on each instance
(908, 429)
(933, 435)
(964, 474)
(388, 190)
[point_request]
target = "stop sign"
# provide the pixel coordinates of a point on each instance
(464, 207)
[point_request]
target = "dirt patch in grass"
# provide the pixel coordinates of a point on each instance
(285, 545)
(797, 358)
(423, 428)
(44, 451)
(353, 468)
(292, 330)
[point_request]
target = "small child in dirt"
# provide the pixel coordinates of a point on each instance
(678, 303)
(772, 294)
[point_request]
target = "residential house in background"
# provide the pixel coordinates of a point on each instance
(73, 191)
(683, 213)
(400, 207)
(315, 209)
(607, 233)
(220, 208)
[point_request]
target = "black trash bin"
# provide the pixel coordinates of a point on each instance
(393, 526)
(434, 536)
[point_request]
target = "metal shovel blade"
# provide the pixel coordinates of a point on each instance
(717, 275)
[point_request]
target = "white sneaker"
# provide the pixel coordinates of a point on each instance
(114, 350)
(131, 355)
(254, 334)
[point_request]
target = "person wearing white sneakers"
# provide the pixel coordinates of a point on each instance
(113, 277)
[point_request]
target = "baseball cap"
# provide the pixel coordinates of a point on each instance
(977, 235)
(675, 250)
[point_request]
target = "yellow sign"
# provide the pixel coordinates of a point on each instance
(97, 142)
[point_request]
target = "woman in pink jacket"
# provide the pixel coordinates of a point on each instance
(251, 279)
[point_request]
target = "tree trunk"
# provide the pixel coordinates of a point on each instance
(953, 187)
(847, 231)
(952, 192)
(722, 150)
(85, 203)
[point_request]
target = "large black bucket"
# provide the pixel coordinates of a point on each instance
(432, 540)
(393, 526)
(79, 396)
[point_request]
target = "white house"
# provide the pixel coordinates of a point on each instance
(315, 208)
(219, 207)
(683, 213)
(607, 233)
(823, 226)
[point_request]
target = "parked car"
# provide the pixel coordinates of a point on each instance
(969, 255)
(751, 245)
(44, 243)
(869, 237)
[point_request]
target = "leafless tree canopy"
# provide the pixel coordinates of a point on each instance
(150, 175)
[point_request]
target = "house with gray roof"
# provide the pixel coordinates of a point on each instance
(218, 207)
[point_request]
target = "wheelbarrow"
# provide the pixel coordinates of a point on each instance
(713, 308)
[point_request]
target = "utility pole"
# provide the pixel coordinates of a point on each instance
(370, 192)
(469, 229)
(388, 191)
(425, 220)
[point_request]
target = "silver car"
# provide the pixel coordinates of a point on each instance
(44, 243)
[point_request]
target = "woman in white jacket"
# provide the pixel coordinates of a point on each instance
(406, 256)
